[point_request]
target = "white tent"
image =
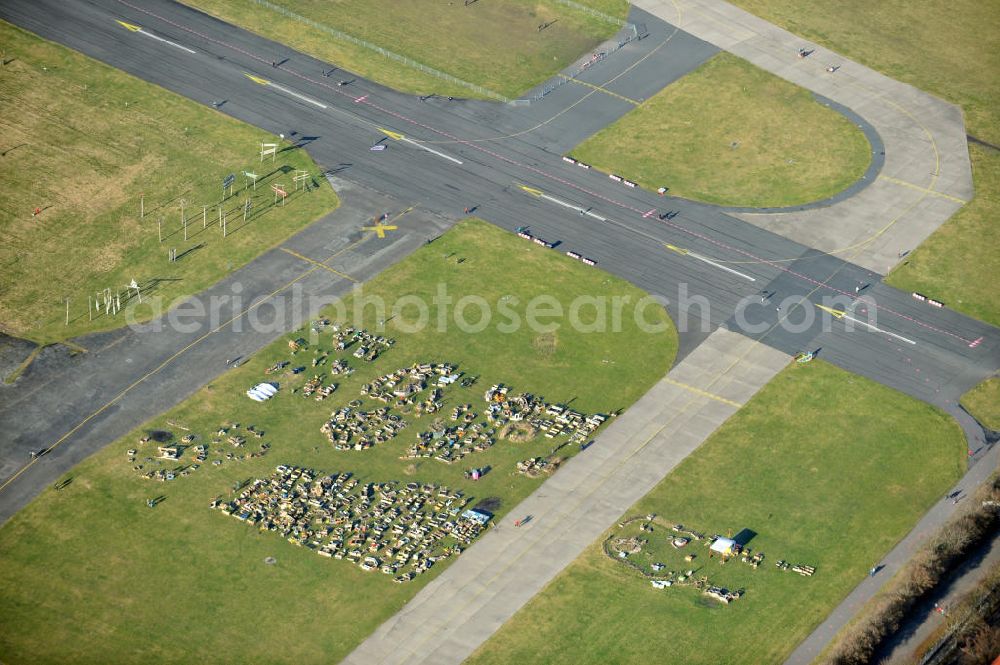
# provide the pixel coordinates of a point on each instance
(262, 392)
(723, 546)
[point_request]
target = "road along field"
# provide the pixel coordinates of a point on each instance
(97, 165)
(790, 476)
(90, 572)
(732, 134)
(461, 39)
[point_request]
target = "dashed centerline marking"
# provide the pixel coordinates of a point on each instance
(705, 259)
(138, 28)
(396, 136)
(841, 314)
(265, 82)
(537, 193)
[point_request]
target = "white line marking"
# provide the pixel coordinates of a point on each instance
(720, 266)
(297, 95)
(879, 330)
(560, 202)
(431, 150)
(167, 41)
(565, 204)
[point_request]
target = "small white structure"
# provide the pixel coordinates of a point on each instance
(262, 392)
(724, 546)
(448, 380)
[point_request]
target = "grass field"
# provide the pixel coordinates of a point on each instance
(731, 133)
(450, 37)
(938, 45)
(983, 402)
(941, 47)
(955, 263)
(817, 485)
(90, 574)
(82, 141)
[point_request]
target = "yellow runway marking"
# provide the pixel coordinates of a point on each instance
(173, 357)
(257, 79)
(835, 312)
(319, 264)
(703, 393)
(600, 89)
(922, 189)
(395, 136)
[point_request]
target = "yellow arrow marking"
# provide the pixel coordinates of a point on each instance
(835, 312)
(129, 26)
(257, 79)
(531, 190)
(674, 248)
(395, 136)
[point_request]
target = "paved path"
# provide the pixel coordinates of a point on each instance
(927, 620)
(484, 587)
(926, 176)
(928, 525)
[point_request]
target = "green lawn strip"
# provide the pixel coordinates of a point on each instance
(616, 8)
(937, 46)
(955, 263)
(983, 402)
(453, 38)
(82, 142)
(829, 469)
(733, 134)
(90, 574)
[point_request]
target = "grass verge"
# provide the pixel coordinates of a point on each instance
(451, 37)
(938, 46)
(954, 263)
(732, 134)
(815, 488)
(88, 573)
(983, 402)
(82, 141)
